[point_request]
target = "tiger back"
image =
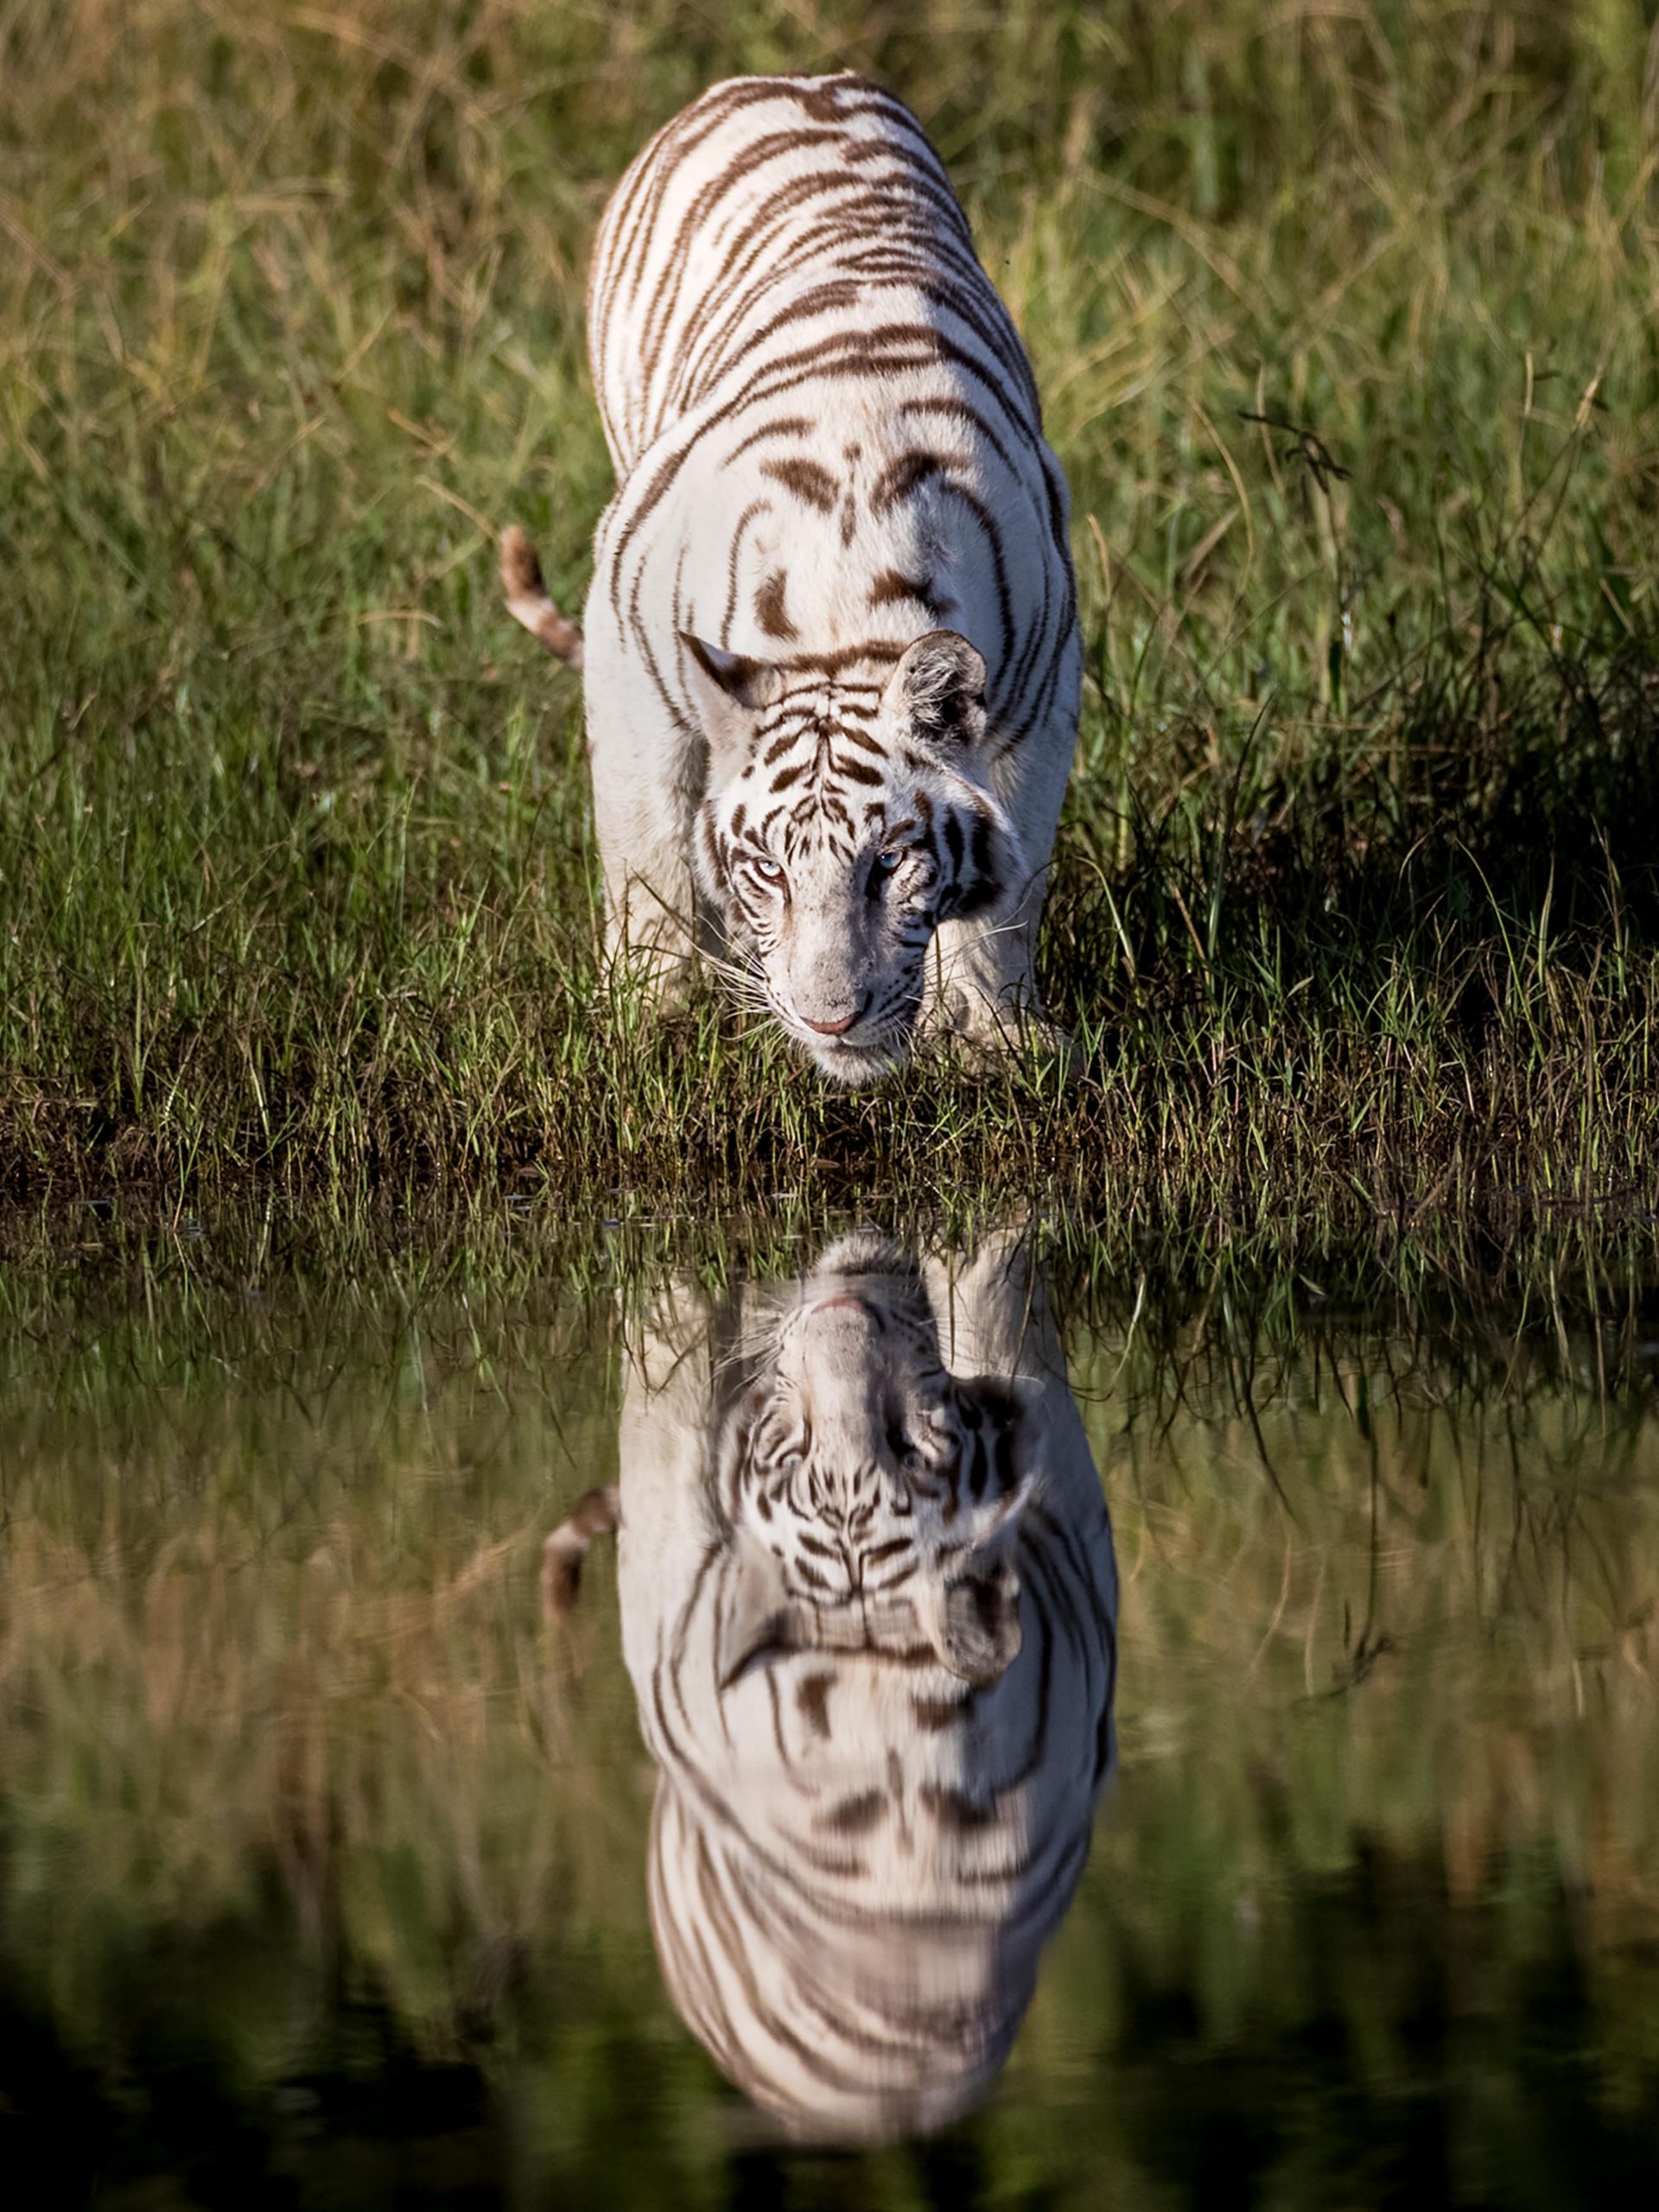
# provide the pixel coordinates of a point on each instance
(832, 654)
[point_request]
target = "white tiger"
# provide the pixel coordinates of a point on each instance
(831, 651)
(868, 1602)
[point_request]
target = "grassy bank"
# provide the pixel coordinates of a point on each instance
(1344, 326)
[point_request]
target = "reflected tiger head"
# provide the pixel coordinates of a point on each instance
(871, 1499)
(848, 813)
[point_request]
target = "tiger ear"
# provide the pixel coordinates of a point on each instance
(727, 691)
(938, 688)
(756, 1617)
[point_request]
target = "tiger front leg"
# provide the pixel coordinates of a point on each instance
(650, 953)
(985, 989)
(984, 993)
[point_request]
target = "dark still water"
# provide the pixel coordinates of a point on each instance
(1002, 1717)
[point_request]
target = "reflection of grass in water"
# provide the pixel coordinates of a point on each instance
(271, 1657)
(275, 1704)
(1358, 876)
(306, 1596)
(1448, 1648)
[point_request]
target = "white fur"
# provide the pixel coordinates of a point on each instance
(697, 525)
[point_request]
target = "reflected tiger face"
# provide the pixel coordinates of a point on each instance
(872, 1497)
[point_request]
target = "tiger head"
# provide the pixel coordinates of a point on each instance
(847, 813)
(871, 1497)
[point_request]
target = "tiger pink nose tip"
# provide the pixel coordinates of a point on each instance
(841, 1024)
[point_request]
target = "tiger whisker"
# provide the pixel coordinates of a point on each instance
(742, 978)
(746, 984)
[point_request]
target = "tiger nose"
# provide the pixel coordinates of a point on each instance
(837, 1028)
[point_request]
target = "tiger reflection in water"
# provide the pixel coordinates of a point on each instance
(868, 1599)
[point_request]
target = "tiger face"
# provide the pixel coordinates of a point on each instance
(872, 1498)
(848, 814)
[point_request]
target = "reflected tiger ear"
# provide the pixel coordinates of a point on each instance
(976, 1633)
(973, 1621)
(727, 691)
(938, 687)
(1012, 1409)
(756, 1617)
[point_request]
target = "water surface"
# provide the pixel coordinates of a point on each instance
(1058, 1726)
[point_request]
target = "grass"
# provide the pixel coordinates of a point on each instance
(1344, 322)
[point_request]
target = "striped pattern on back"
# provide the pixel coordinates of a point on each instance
(785, 292)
